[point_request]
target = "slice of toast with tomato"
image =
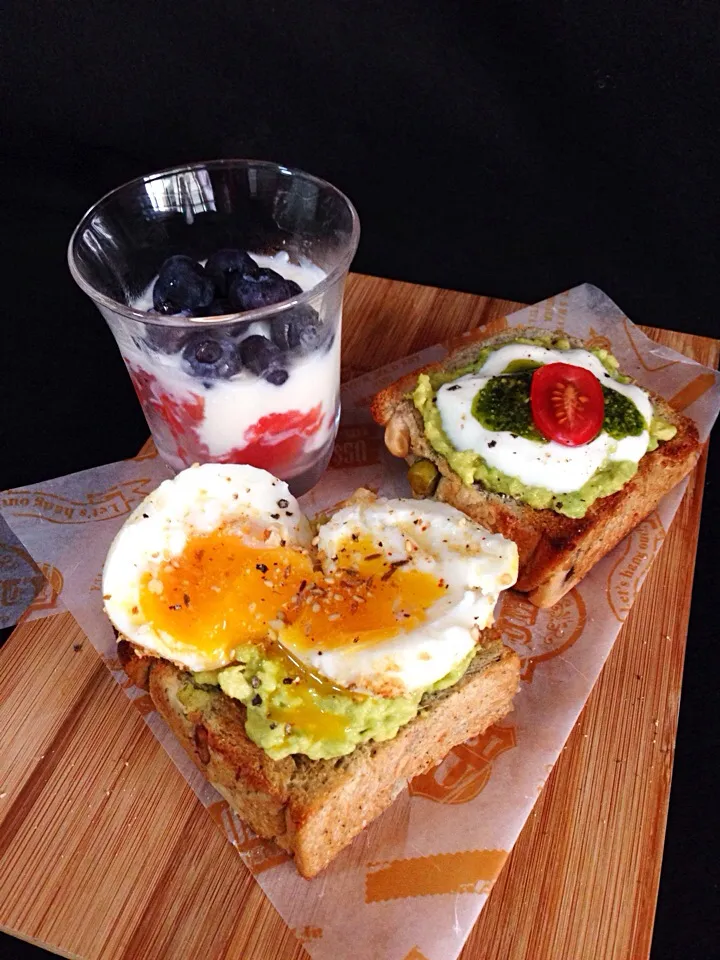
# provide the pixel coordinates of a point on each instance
(555, 551)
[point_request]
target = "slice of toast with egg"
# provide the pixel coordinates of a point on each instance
(309, 669)
(314, 808)
(555, 550)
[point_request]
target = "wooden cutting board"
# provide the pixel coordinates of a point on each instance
(106, 853)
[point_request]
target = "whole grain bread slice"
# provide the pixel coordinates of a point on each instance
(314, 808)
(555, 551)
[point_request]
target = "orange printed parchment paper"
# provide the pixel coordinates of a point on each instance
(413, 884)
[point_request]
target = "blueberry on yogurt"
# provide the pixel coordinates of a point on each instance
(182, 285)
(263, 289)
(218, 308)
(263, 358)
(224, 265)
(299, 329)
(167, 339)
(210, 357)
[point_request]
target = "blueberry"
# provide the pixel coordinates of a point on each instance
(277, 377)
(297, 329)
(210, 357)
(261, 290)
(224, 265)
(182, 284)
(218, 308)
(167, 339)
(263, 358)
(237, 329)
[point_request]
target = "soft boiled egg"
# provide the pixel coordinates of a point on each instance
(205, 562)
(407, 585)
(386, 600)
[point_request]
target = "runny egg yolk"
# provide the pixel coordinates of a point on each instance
(305, 688)
(222, 591)
(367, 600)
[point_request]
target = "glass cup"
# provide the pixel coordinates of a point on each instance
(219, 383)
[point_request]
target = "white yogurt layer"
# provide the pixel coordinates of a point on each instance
(552, 466)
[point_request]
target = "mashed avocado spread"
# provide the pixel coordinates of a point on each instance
(503, 404)
(326, 720)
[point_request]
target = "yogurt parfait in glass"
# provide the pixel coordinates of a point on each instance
(223, 284)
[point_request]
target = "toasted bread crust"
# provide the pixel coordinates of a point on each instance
(555, 551)
(314, 808)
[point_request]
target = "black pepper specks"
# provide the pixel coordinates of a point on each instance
(283, 504)
(262, 567)
(256, 700)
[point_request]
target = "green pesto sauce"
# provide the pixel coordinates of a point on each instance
(521, 366)
(622, 418)
(504, 404)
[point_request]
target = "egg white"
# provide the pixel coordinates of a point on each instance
(197, 501)
(475, 564)
(552, 466)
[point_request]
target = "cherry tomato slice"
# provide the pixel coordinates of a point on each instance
(567, 403)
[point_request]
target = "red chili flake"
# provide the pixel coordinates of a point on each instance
(393, 568)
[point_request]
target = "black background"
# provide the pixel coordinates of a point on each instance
(513, 149)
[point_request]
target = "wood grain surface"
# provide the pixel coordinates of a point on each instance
(106, 853)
